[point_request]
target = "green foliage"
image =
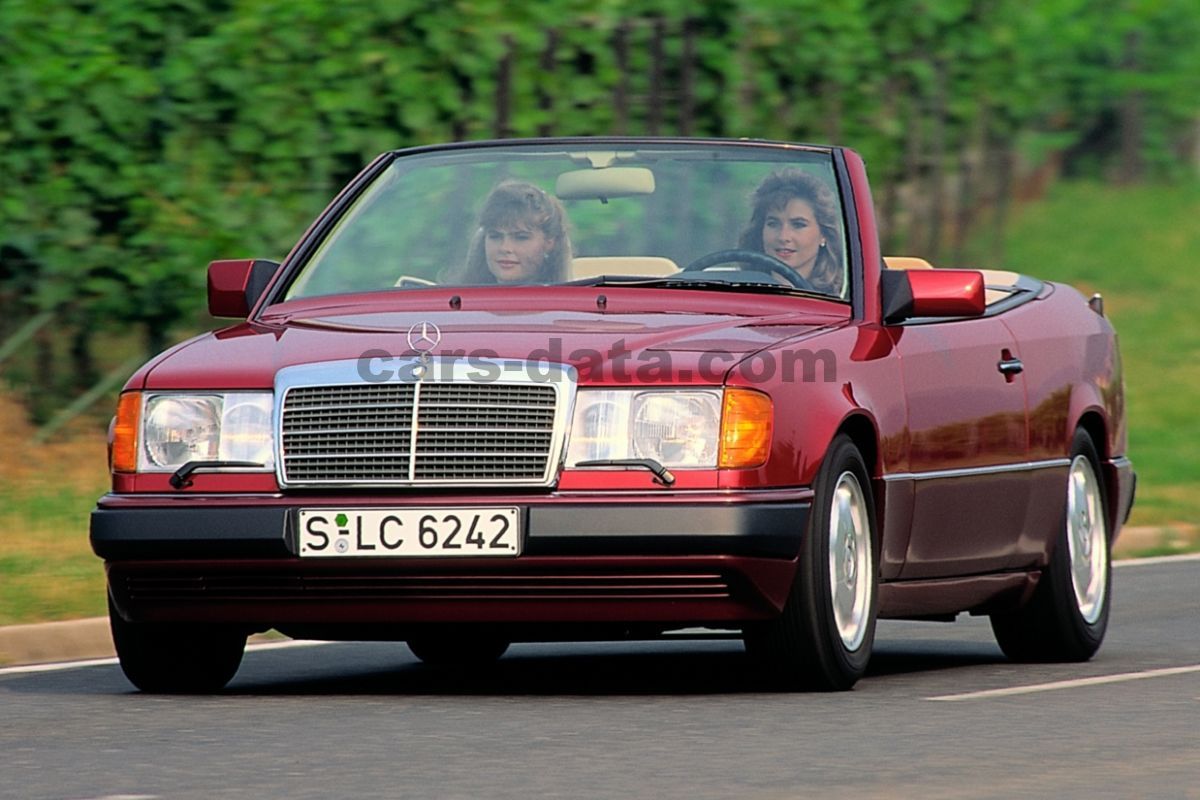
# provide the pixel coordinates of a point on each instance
(139, 140)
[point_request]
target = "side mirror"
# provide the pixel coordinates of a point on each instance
(931, 293)
(234, 285)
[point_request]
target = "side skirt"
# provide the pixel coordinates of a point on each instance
(979, 594)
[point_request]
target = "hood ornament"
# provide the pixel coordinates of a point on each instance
(423, 337)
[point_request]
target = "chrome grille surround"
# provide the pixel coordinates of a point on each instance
(482, 422)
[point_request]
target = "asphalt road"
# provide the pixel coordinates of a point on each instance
(662, 720)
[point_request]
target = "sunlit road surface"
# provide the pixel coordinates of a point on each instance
(941, 714)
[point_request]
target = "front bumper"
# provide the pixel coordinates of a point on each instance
(719, 560)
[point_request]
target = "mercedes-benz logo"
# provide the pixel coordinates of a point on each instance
(423, 337)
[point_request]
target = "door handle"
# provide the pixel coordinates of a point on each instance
(1010, 366)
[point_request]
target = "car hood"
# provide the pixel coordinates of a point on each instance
(604, 346)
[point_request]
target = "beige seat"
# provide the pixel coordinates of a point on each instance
(1000, 277)
(1000, 283)
(906, 262)
(593, 266)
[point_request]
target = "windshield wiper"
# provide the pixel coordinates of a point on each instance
(662, 475)
(677, 283)
(182, 477)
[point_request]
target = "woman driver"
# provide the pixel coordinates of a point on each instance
(797, 219)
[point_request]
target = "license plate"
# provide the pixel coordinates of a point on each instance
(409, 532)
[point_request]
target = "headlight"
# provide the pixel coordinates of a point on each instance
(246, 429)
(233, 426)
(677, 428)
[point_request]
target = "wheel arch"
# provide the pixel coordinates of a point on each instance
(863, 433)
(1093, 423)
(1090, 408)
(861, 430)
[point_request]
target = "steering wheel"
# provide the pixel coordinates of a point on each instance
(409, 281)
(755, 261)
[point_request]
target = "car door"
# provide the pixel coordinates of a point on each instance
(1060, 349)
(968, 446)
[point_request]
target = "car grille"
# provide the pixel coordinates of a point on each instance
(418, 433)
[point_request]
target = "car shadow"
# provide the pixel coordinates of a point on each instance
(545, 674)
(633, 669)
(662, 668)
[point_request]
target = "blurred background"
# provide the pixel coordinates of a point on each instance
(139, 139)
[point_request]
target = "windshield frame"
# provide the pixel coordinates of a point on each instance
(310, 244)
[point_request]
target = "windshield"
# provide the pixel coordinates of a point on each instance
(703, 216)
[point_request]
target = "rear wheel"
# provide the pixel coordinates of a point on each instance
(1068, 615)
(457, 649)
(823, 638)
(176, 659)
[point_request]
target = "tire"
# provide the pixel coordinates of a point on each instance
(823, 638)
(176, 659)
(1067, 616)
(457, 649)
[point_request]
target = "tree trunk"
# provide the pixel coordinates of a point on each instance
(657, 57)
(45, 376)
(546, 97)
(936, 190)
(915, 209)
(1003, 170)
(621, 90)
(503, 127)
(888, 198)
(83, 365)
(686, 82)
(156, 336)
(1131, 114)
(967, 176)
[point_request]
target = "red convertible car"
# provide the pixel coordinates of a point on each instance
(609, 388)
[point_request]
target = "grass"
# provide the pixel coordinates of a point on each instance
(1136, 245)
(47, 569)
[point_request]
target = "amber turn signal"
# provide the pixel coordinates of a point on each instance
(746, 422)
(125, 432)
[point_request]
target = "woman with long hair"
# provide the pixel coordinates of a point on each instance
(797, 219)
(521, 237)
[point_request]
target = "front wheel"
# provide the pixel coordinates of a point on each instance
(823, 638)
(1067, 617)
(176, 659)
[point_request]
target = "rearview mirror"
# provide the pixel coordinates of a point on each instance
(234, 285)
(602, 184)
(931, 293)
